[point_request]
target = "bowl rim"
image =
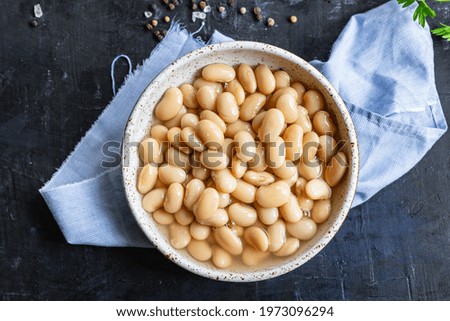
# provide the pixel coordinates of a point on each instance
(278, 270)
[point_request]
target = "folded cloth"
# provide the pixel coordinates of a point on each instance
(382, 65)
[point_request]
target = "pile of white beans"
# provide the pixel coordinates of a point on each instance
(240, 165)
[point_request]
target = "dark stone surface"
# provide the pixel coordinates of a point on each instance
(54, 83)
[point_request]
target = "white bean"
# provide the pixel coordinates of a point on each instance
(229, 241)
(317, 189)
(207, 204)
(200, 250)
(170, 104)
(224, 180)
(221, 258)
(304, 229)
(154, 199)
(242, 215)
(277, 235)
(321, 211)
(335, 170)
(273, 195)
(147, 178)
(174, 198)
(179, 236)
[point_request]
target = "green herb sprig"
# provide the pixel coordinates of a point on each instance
(443, 32)
(423, 11)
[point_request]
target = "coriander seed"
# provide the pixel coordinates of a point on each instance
(221, 9)
(242, 10)
(202, 5)
(154, 22)
(293, 19)
(257, 11)
(194, 6)
(149, 26)
(171, 6)
(159, 35)
(166, 19)
(270, 22)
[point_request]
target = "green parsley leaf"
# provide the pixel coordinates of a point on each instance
(443, 31)
(422, 12)
(406, 3)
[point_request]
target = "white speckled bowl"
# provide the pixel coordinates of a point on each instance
(186, 69)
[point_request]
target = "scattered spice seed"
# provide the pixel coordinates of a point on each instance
(149, 26)
(202, 5)
(194, 6)
(33, 23)
(166, 19)
(230, 2)
(293, 19)
(242, 10)
(154, 22)
(221, 9)
(176, 3)
(166, 1)
(159, 35)
(270, 22)
(171, 6)
(257, 11)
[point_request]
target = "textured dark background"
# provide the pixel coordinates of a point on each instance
(54, 83)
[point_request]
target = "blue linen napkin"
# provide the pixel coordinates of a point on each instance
(382, 66)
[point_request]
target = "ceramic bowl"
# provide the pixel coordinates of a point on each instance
(185, 70)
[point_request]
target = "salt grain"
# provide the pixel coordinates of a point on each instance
(38, 11)
(198, 15)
